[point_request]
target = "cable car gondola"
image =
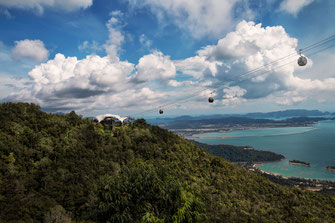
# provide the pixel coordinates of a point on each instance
(302, 61)
(211, 99)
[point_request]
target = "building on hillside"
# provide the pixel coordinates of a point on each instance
(114, 120)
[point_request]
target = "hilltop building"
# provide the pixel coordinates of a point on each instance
(114, 120)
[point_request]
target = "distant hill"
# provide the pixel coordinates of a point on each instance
(63, 168)
(256, 115)
(287, 113)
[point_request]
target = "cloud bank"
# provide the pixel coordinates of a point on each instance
(69, 83)
(97, 83)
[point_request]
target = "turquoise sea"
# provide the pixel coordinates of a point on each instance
(315, 145)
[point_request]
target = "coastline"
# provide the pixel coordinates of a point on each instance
(310, 184)
(305, 183)
(257, 165)
(274, 171)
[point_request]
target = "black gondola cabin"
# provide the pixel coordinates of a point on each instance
(302, 61)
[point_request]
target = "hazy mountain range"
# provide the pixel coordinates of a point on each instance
(255, 115)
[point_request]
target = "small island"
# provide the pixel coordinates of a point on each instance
(330, 168)
(299, 163)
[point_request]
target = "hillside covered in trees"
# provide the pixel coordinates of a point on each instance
(62, 168)
(239, 153)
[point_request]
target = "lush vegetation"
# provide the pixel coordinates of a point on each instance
(240, 153)
(62, 168)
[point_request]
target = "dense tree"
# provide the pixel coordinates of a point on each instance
(62, 168)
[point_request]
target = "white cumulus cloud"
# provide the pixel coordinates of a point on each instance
(155, 66)
(198, 66)
(73, 78)
(31, 49)
(66, 83)
(250, 47)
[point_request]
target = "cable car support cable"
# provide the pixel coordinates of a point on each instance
(195, 94)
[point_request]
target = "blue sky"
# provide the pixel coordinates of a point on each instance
(130, 56)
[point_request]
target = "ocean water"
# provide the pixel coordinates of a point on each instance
(315, 145)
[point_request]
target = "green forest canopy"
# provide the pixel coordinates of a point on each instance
(63, 168)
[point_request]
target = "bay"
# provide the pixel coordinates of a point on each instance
(315, 145)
